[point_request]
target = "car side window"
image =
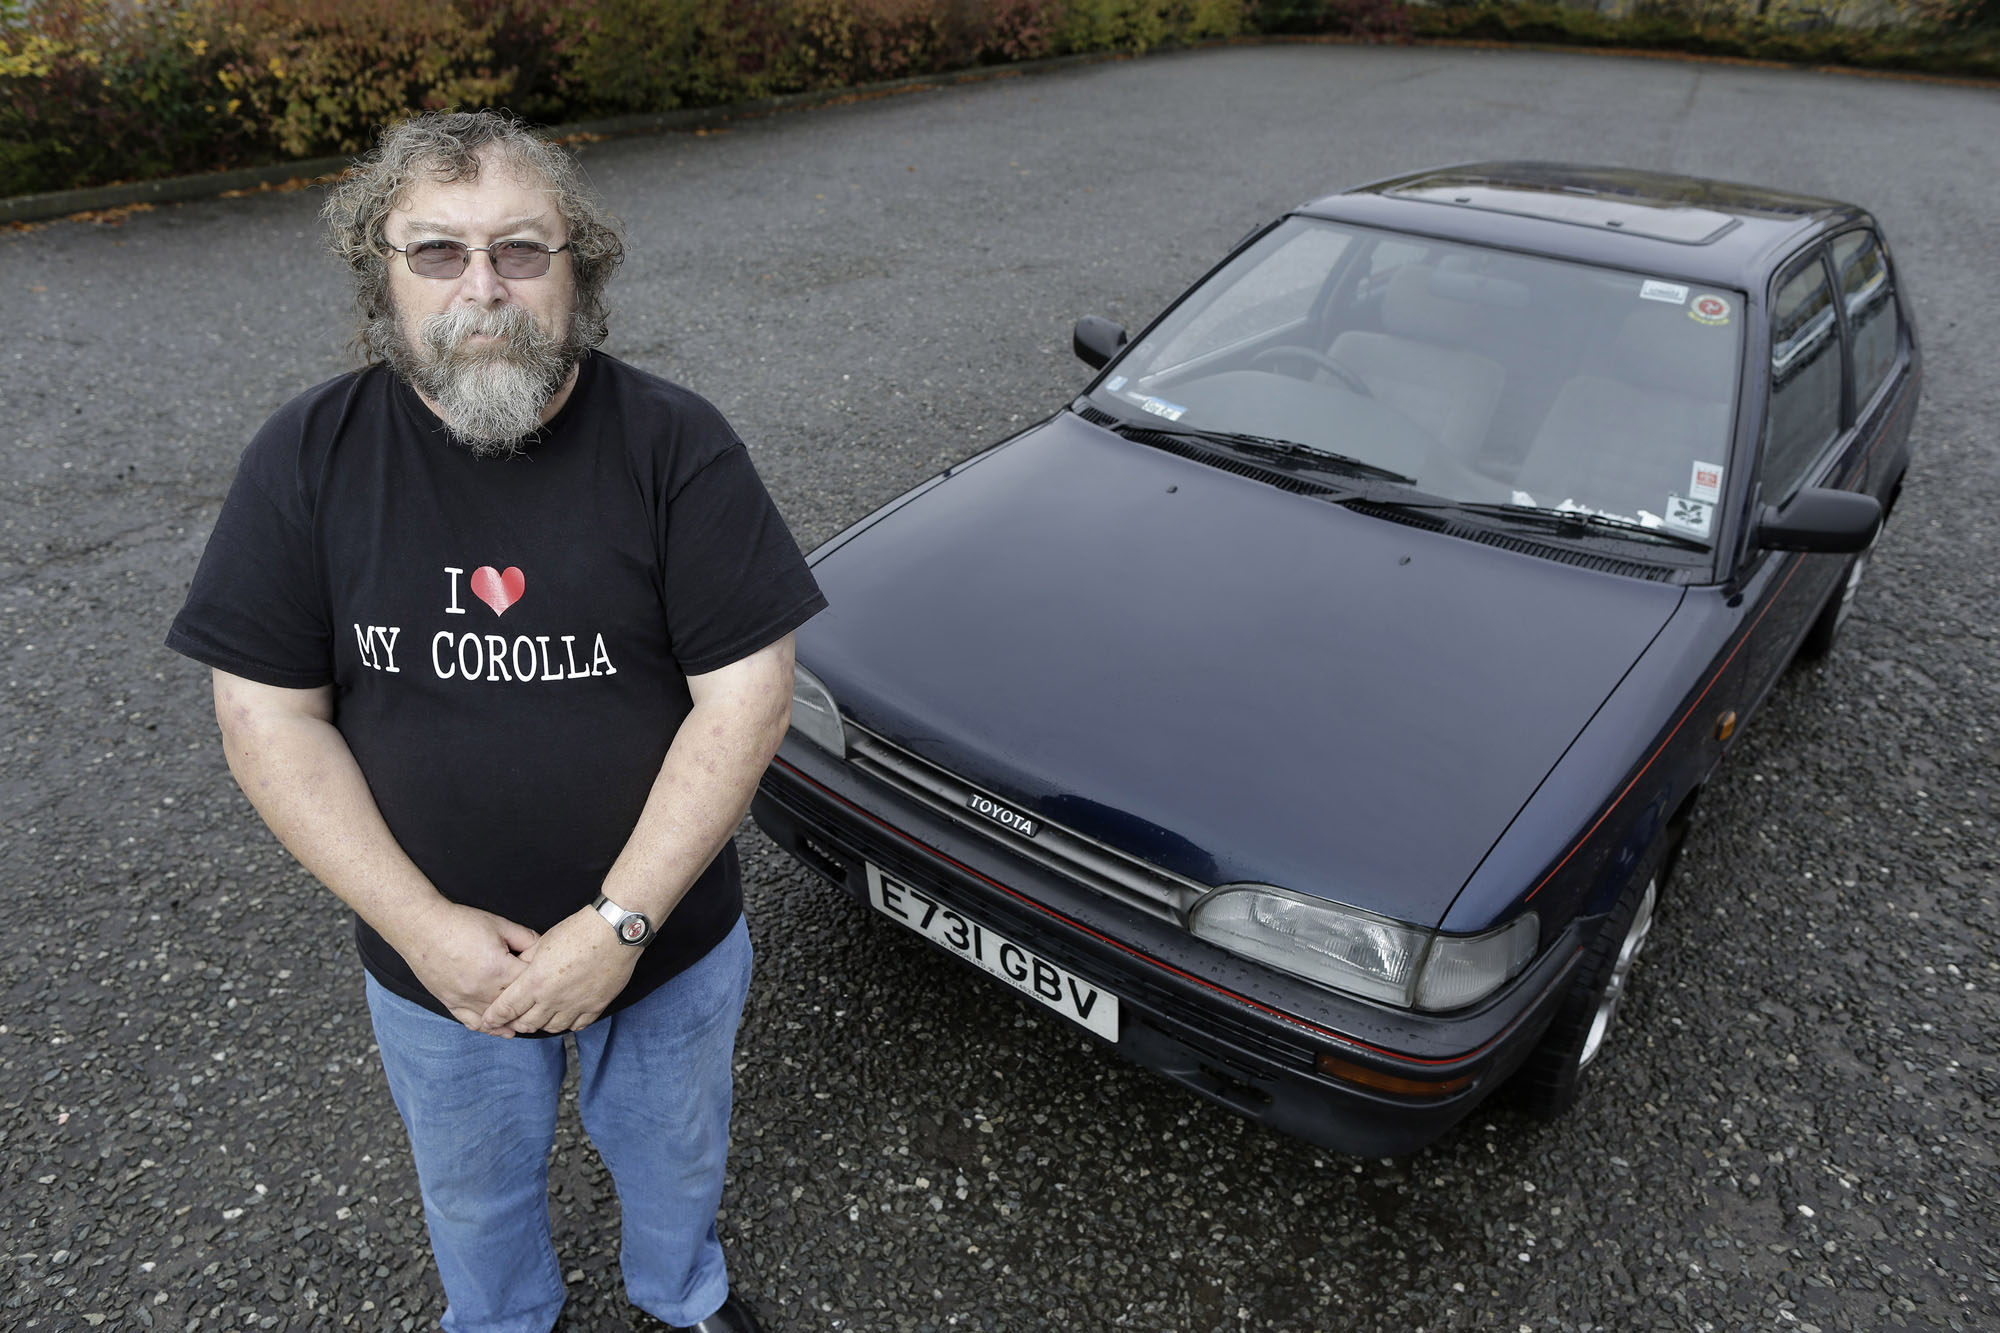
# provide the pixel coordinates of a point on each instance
(1873, 325)
(1278, 289)
(1804, 410)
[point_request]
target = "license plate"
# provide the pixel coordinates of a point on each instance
(1063, 991)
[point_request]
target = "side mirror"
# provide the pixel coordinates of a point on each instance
(1821, 520)
(1096, 340)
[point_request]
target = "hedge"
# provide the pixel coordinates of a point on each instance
(98, 91)
(1793, 37)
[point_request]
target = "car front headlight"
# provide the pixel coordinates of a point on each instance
(814, 714)
(1465, 969)
(1362, 954)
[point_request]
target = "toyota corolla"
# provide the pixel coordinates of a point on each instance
(1313, 708)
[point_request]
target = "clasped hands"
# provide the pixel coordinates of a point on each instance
(499, 977)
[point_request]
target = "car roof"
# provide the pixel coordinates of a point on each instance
(1716, 231)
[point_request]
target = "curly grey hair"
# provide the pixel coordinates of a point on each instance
(448, 146)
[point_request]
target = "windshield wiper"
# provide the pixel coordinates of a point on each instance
(1265, 446)
(1538, 516)
(1556, 519)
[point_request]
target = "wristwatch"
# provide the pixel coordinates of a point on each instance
(633, 928)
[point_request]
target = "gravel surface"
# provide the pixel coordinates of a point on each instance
(1794, 1130)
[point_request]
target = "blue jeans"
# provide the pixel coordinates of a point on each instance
(654, 1088)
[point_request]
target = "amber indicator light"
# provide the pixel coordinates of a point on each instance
(1725, 726)
(1349, 1072)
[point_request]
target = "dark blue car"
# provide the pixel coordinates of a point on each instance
(1313, 708)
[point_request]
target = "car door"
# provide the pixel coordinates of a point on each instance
(1880, 360)
(1809, 438)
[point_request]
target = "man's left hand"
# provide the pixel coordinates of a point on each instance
(574, 970)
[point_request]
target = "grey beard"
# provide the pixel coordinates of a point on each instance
(489, 395)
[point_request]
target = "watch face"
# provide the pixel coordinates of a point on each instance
(632, 929)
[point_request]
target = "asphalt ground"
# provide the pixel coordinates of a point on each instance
(1792, 1131)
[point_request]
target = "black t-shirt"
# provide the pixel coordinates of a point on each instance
(508, 640)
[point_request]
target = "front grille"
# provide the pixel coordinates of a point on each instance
(1080, 859)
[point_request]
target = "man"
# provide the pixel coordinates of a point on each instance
(501, 632)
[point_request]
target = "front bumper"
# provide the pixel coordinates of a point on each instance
(1245, 1036)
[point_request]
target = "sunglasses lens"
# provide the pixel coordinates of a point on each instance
(438, 259)
(520, 259)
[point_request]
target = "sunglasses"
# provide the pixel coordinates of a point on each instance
(448, 259)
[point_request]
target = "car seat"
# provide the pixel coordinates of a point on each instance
(1624, 439)
(1419, 365)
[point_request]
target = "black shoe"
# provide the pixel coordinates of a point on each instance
(733, 1317)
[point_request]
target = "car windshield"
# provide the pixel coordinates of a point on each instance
(1484, 377)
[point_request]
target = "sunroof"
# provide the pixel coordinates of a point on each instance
(1682, 224)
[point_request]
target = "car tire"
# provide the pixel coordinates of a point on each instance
(1552, 1078)
(1826, 629)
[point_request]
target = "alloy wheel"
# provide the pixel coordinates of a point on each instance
(1613, 993)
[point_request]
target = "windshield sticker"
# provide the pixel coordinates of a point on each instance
(1709, 309)
(1706, 483)
(1689, 515)
(1115, 383)
(1670, 292)
(1160, 407)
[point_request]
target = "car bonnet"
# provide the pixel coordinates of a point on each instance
(1228, 680)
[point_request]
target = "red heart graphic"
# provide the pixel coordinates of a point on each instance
(496, 589)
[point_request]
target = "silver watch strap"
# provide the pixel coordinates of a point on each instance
(620, 919)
